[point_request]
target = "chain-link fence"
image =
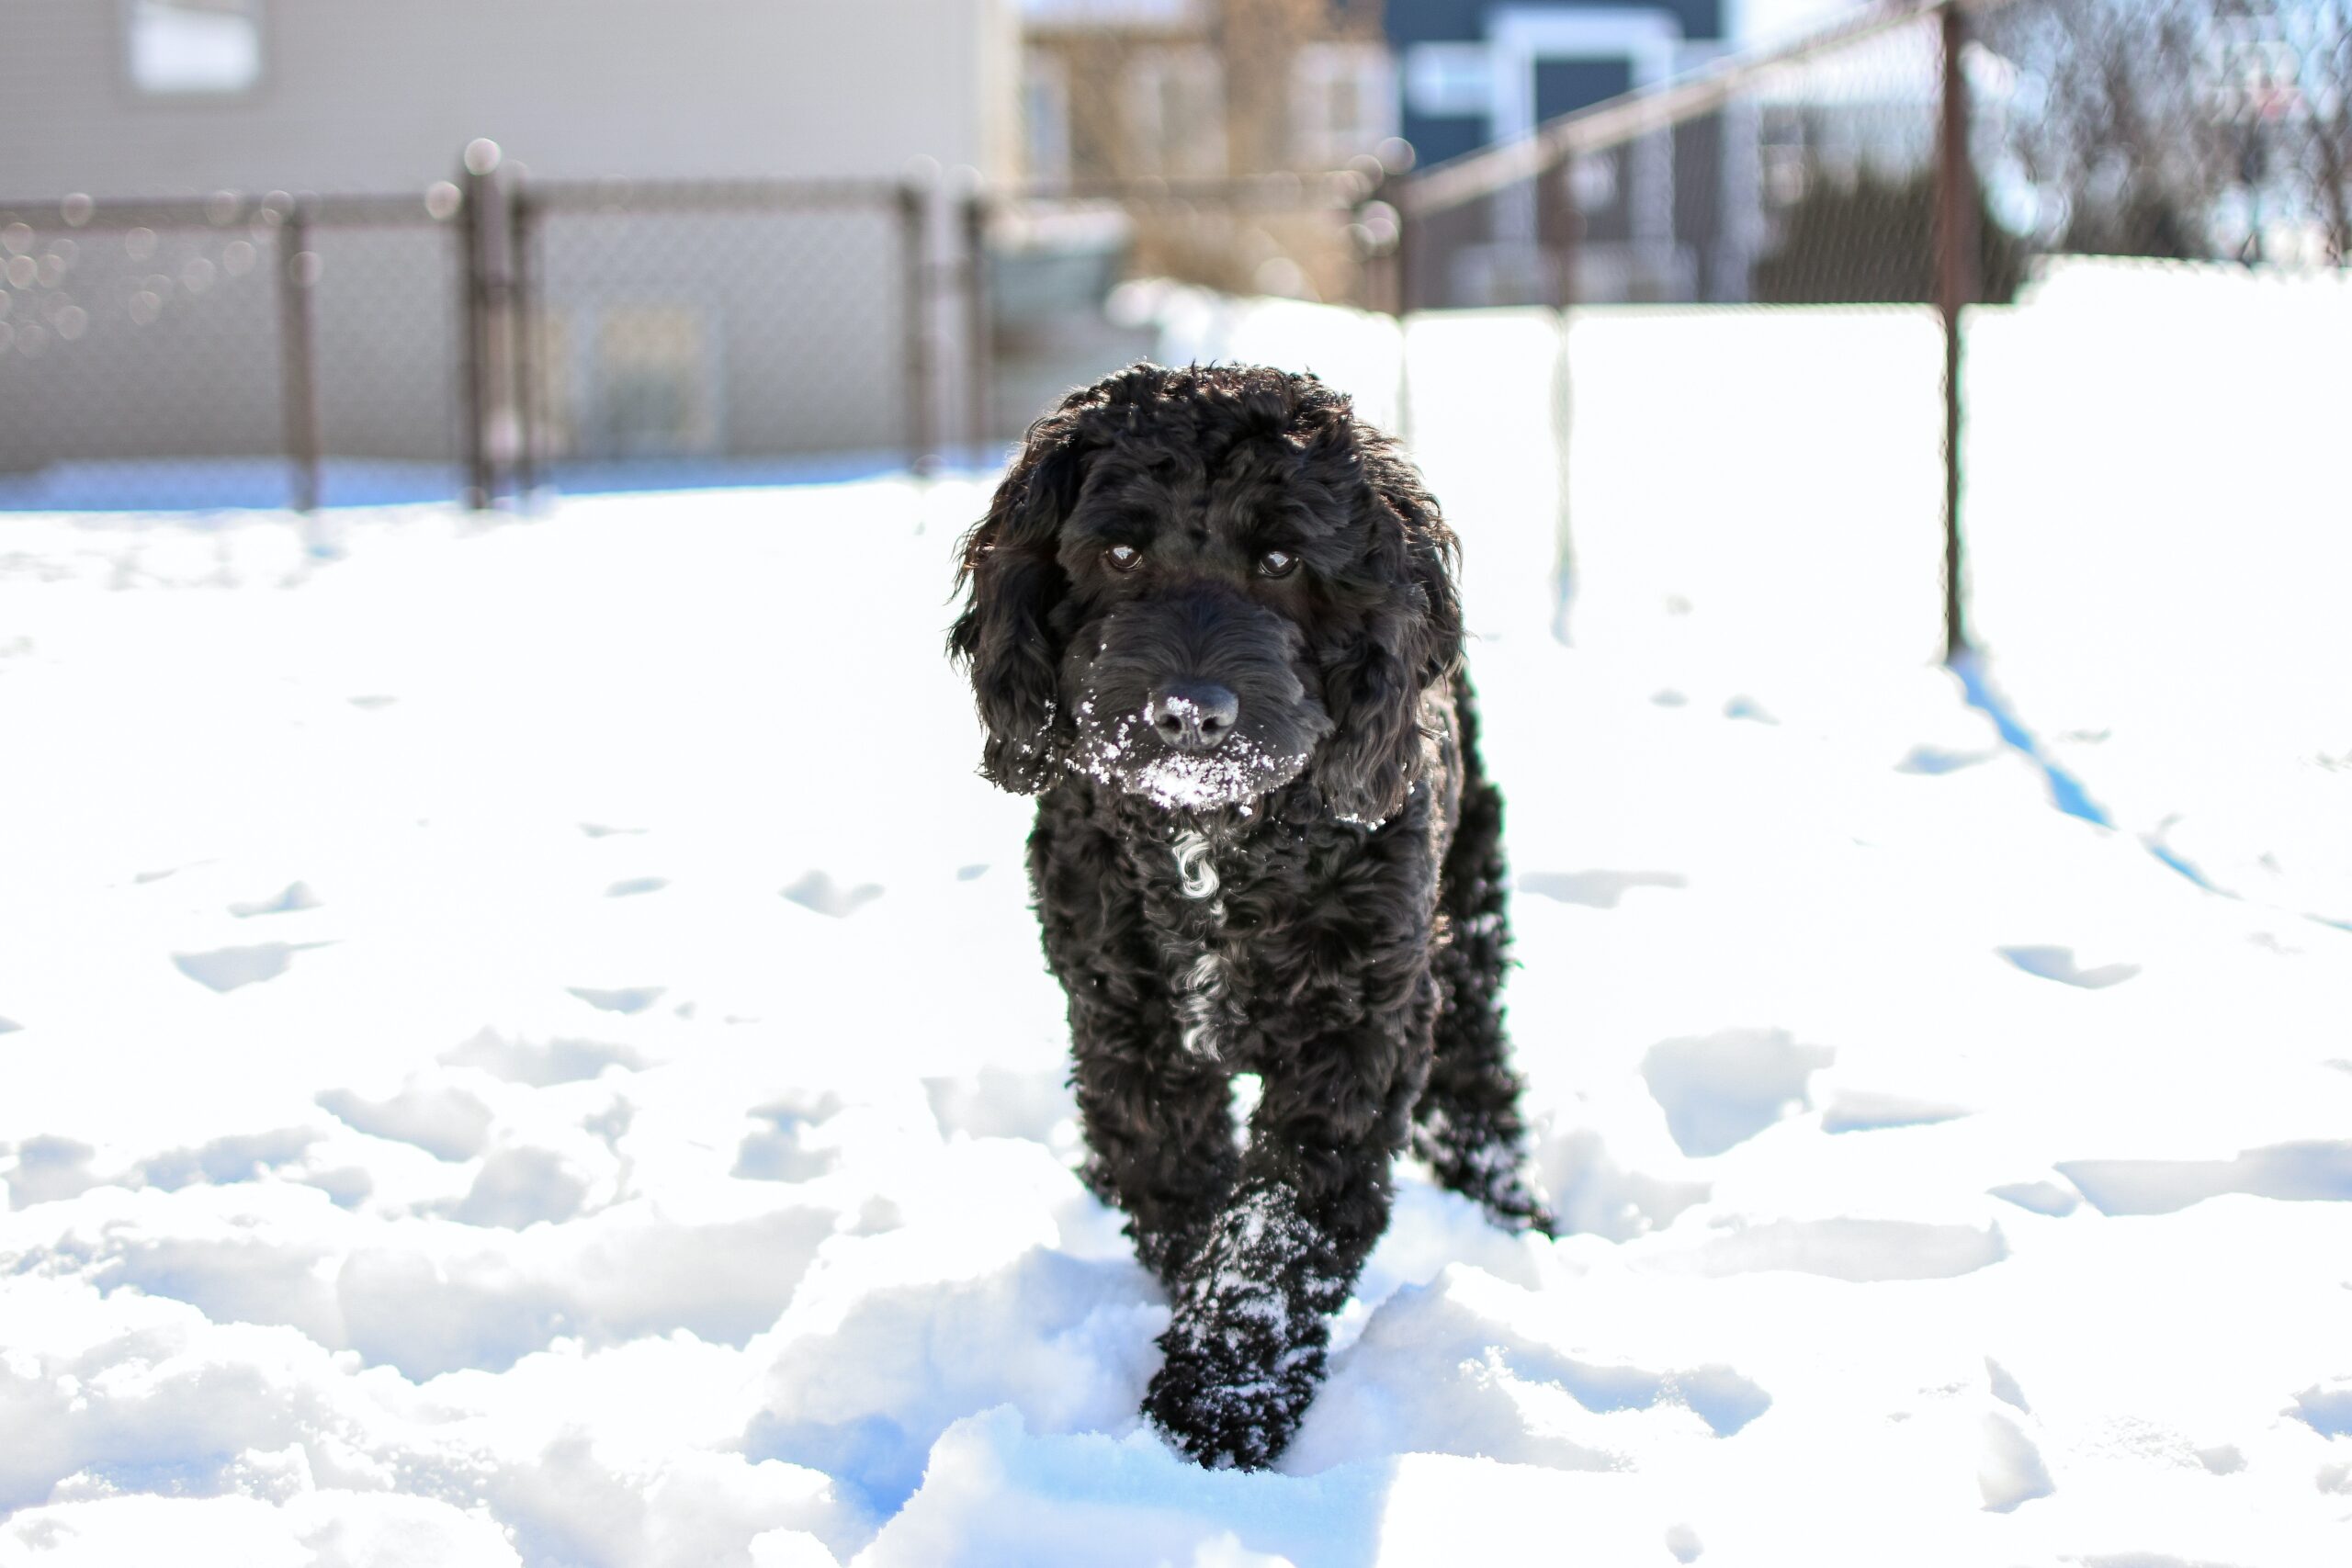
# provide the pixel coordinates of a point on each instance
(215, 353)
(1904, 175)
(480, 339)
(743, 332)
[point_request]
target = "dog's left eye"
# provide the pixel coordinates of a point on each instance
(1122, 558)
(1277, 563)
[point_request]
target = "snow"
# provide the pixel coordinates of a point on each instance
(530, 1046)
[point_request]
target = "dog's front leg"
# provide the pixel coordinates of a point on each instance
(1158, 1130)
(1245, 1349)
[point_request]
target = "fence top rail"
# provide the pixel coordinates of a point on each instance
(228, 209)
(1333, 188)
(1646, 110)
(712, 196)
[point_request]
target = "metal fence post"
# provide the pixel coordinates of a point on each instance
(473, 240)
(978, 330)
(522, 227)
(915, 275)
(1410, 226)
(1956, 288)
(1559, 222)
(1560, 231)
(297, 271)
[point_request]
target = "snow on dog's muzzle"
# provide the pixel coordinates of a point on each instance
(1193, 701)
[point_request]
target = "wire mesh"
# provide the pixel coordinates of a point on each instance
(1970, 228)
(1802, 178)
(229, 352)
(1705, 450)
(386, 360)
(139, 357)
(673, 333)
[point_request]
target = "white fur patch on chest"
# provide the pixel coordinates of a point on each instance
(1202, 984)
(1195, 872)
(1199, 1005)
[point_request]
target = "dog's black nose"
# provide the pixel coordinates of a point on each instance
(1194, 716)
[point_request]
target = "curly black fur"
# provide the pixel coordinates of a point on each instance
(1318, 899)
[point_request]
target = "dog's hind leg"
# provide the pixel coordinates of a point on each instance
(1468, 1126)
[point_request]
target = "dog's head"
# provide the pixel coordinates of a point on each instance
(1196, 585)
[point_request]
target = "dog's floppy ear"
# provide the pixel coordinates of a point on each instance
(1011, 581)
(1409, 638)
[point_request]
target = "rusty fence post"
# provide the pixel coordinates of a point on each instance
(1956, 289)
(523, 236)
(1409, 242)
(914, 279)
(298, 270)
(978, 331)
(473, 254)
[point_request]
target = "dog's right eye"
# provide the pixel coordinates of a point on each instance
(1122, 558)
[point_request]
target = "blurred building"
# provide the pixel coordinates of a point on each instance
(1194, 93)
(1650, 218)
(163, 97)
(1181, 140)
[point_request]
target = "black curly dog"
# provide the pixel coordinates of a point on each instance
(1212, 625)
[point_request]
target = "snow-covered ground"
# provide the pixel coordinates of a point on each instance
(524, 1042)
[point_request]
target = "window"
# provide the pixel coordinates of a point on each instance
(1345, 103)
(1044, 116)
(1176, 114)
(1444, 80)
(194, 47)
(654, 396)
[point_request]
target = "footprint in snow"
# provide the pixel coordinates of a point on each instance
(1868, 1110)
(446, 1121)
(816, 891)
(540, 1063)
(623, 999)
(49, 1168)
(599, 830)
(142, 878)
(2326, 1410)
(2039, 1197)
(2317, 1171)
(971, 873)
(297, 896)
(372, 702)
(1595, 889)
(226, 968)
(630, 886)
(2058, 963)
(1934, 761)
(9, 1026)
(1722, 1090)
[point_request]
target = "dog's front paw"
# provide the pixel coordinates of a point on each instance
(1236, 1407)
(1246, 1347)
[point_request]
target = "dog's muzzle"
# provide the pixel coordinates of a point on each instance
(1195, 700)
